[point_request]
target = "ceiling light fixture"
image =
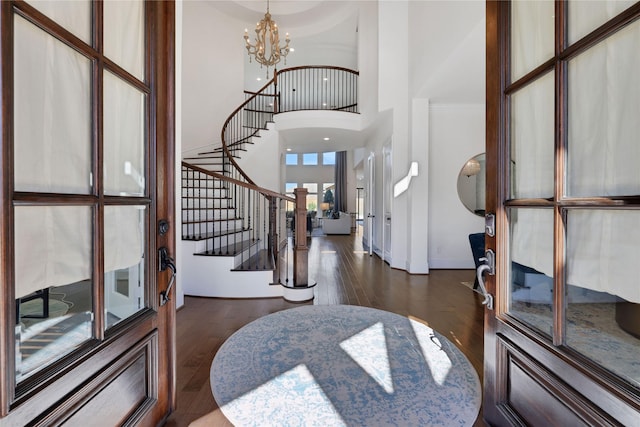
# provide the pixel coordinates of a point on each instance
(326, 138)
(266, 50)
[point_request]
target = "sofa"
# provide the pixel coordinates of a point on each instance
(341, 225)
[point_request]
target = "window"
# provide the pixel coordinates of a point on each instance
(291, 159)
(310, 159)
(312, 196)
(329, 158)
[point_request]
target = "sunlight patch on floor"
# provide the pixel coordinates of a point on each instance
(438, 361)
(369, 350)
(296, 393)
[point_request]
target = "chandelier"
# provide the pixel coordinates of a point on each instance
(266, 50)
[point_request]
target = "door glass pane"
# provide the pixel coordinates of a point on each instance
(586, 16)
(124, 34)
(124, 266)
(604, 106)
(53, 290)
(532, 145)
(531, 273)
(73, 15)
(52, 114)
(532, 35)
(124, 138)
(603, 295)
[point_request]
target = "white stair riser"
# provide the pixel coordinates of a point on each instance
(208, 214)
(212, 277)
(211, 227)
(202, 183)
(204, 192)
(190, 203)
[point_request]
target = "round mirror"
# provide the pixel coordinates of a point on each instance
(471, 184)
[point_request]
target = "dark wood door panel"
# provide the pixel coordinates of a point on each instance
(76, 384)
(589, 380)
(533, 395)
(118, 400)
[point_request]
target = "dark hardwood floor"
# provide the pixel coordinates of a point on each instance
(345, 274)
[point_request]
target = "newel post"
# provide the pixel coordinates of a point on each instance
(300, 249)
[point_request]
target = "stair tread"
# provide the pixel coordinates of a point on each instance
(231, 249)
(258, 262)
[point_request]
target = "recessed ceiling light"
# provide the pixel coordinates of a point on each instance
(259, 79)
(288, 149)
(326, 138)
(292, 49)
(325, 79)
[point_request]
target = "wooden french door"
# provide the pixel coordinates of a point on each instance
(87, 194)
(562, 341)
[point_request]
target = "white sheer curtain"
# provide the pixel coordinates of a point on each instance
(603, 246)
(52, 247)
(52, 114)
(53, 146)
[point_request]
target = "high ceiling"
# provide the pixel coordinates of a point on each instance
(322, 33)
(447, 45)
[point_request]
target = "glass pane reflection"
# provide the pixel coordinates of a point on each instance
(124, 138)
(124, 262)
(531, 292)
(603, 296)
(532, 139)
(53, 289)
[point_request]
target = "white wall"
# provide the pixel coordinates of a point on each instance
(457, 133)
(212, 73)
(393, 93)
(261, 161)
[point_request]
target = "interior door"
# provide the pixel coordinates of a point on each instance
(87, 178)
(562, 339)
(387, 179)
(370, 196)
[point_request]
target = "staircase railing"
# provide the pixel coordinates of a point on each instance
(291, 89)
(234, 218)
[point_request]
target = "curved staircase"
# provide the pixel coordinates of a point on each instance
(234, 233)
